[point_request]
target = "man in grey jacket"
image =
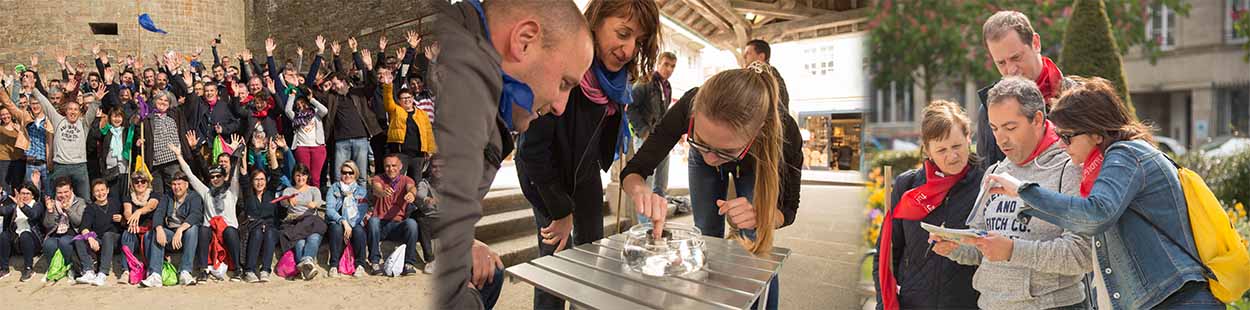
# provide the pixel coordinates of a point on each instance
(491, 52)
(1025, 263)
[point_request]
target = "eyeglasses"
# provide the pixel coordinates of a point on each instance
(1066, 137)
(217, 176)
(347, 172)
(141, 181)
(704, 148)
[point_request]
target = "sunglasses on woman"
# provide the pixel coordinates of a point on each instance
(347, 172)
(1066, 137)
(722, 154)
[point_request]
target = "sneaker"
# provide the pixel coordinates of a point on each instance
(307, 269)
(264, 276)
(375, 269)
(26, 273)
(409, 269)
(125, 278)
(218, 273)
(4, 273)
(185, 279)
(250, 277)
(429, 268)
(86, 278)
(360, 271)
(334, 271)
(101, 279)
(153, 280)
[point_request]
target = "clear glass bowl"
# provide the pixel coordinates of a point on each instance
(678, 252)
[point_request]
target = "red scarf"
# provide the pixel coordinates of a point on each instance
(915, 205)
(1048, 138)
(217, 248)
(1090, 170)
(1050, 80)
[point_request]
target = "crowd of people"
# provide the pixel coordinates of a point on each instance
(1077, 207)
(231, 171)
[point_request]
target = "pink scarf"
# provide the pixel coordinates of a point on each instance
(590, 88)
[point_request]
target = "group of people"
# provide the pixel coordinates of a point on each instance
(580, 91)
(222, 164)
(1080, 209)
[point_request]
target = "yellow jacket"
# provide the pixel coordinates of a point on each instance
(399, 122)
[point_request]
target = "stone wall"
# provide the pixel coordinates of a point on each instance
(61, 26)
(296, 23)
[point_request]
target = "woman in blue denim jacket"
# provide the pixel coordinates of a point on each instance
(346, 207)
(1133, 205)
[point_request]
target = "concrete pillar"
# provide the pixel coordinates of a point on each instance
(1178, 125)
(1203, 117)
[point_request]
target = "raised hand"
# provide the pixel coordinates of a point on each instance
(299, 51)
(270, 85)
(321, 44)
(100, 93)
(34, 60)
(175, 149)
(60, 59)
(386, 79)
(351, 43)
(414, 39)
(399, 53)
(212, 42)
(109, 75)
(192, 138)
(270, 45)
(382, 43)
(281, 143)
(235, 141)
(198, 51)
(431, 51)
(247, 55)
(367, 57)
(95, 50)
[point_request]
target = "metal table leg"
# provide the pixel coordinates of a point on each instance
(763, 300)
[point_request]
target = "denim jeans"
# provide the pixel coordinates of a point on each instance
(65, 243)
(352, 149)
(108, 246)
(359, 237)
(43, 174)
(131, 241)
(405, 231)
(490, 293)
(156, 252)
(260, 243)
(307, 247)
(658, 181)
(709, 184)
(77, 174)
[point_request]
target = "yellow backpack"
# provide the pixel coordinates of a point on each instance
(1224, 257)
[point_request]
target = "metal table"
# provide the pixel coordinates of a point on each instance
(594, 276)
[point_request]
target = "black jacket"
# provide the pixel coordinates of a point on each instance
(557, 152)
(926, 279)
(674, 125)
(34, 218)
(649, 106)
(99, 219)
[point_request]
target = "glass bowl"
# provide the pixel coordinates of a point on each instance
(678, 252)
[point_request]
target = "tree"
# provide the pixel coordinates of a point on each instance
(1089, 49)
(929, 41)
(1241, 25)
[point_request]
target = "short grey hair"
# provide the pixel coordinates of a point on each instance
(1024, 91)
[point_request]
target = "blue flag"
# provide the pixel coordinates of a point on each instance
(145, 21)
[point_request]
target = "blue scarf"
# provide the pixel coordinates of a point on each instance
(615, 86)
(514, 91)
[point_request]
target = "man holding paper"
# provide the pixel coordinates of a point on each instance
(1024, 262)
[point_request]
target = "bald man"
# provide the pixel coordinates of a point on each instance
(502, 65)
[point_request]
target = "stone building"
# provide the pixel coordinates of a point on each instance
(49, 27)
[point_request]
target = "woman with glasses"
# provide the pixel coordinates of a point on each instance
(221, 229)
(347, 203)
(137, 209)
(737, 132)
(1131, 203)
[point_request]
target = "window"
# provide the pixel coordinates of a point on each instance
(103, 28)
(820, 60)
(1232, 111)
(1162, 26)
(1235, 8)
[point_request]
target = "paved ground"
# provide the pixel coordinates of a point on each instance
(823, 271)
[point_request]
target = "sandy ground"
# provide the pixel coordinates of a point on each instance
(367, 292)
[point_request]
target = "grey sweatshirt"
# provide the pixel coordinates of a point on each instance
(1047, 263)
(70, 144)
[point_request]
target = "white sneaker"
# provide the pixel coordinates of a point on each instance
(101, 279)
(185, 279)
(219, 273)
(153, 280)
(360, 271)
(125, 279)
(86, 278)
(334, 272)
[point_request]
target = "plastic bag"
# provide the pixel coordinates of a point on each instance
(169, 275)
(347, 263)
(135, 266)
(286, 265)
(395, 263)
(57, 268)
